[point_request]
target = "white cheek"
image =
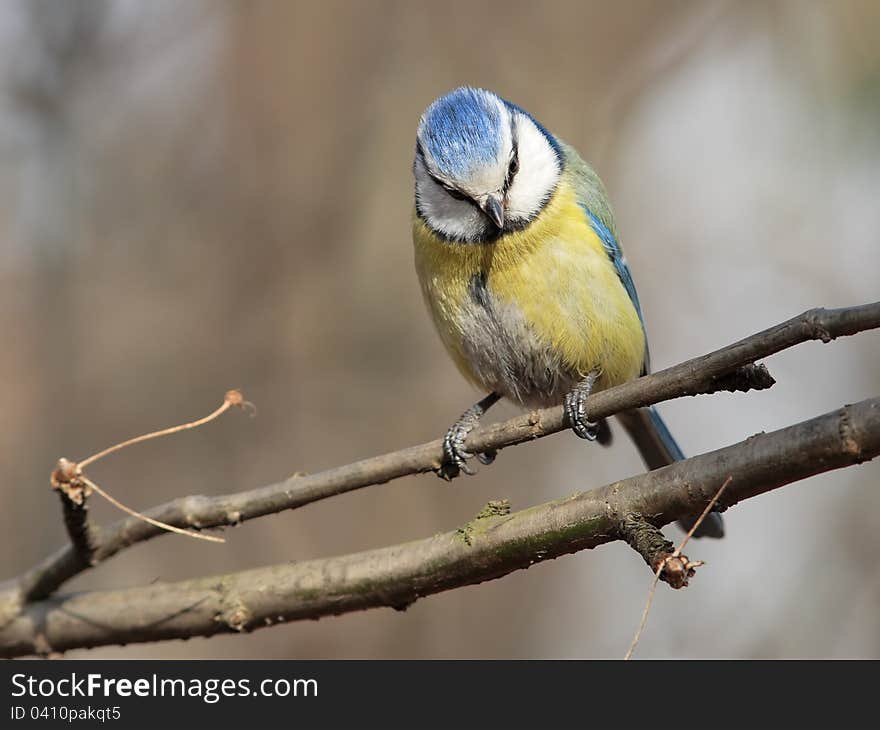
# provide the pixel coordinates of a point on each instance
(456, 219)
(538, 174)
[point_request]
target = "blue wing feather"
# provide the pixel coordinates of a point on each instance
(612, 248)
(615, 253)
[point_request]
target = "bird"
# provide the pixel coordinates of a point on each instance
(519, 261)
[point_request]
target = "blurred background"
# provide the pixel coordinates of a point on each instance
(206, 195)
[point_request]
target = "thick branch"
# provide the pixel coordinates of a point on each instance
(730, 368)
(492, 545)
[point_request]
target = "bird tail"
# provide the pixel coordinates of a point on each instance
(658, 448)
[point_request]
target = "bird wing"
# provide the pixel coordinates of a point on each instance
(618, 260)
(594, 200)
(615, 253)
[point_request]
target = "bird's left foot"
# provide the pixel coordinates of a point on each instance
(454, 455)
(576, 410)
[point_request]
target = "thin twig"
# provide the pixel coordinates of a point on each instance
(702, 517)
(162, 525)
(70, 480)
(232, 398)
(675, 555)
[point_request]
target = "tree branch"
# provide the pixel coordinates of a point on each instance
(730, 368)
(496, 544)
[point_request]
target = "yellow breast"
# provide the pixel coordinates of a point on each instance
(535, 311)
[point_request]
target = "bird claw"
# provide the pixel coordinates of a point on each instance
(454, 454)
(587, 430)
(576, 410)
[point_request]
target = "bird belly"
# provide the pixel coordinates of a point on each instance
(503, 352)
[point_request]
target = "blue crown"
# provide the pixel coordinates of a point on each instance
(462, 130)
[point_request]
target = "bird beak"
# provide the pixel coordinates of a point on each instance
(493, 207)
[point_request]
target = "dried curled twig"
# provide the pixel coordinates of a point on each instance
(75, 487)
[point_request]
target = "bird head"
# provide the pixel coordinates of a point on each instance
(483, 166)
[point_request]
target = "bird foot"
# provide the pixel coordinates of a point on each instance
(576, 410)
(454, 454)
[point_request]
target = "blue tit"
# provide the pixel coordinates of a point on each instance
(517, 254)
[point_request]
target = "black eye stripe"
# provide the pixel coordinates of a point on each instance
(451, 191)
(455, 194)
